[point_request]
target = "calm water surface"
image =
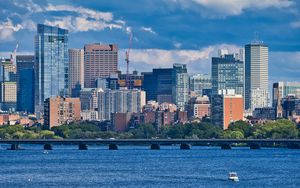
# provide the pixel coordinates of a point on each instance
(66, 166)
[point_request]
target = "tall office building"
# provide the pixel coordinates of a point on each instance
(25, 83)
(281, 90)
(256, 73)
(227, 73)
(199, 83)
(76, 71)
(51, 64)
(100, 60)
(180, 85)
(158, 85)
(8, 96)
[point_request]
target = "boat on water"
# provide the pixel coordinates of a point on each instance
(233, 176)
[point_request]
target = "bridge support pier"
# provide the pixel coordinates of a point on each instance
(155, 146)
(113, 147)
(82, 146)
(48, 147)
(14, 147)
(185, 146)
(225, 146)
(254, 146)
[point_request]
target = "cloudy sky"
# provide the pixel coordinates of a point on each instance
(164, 31)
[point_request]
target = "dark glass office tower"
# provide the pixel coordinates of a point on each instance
(51, 64)
(25, 83)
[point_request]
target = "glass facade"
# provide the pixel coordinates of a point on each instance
(227, 73)
(51, 64)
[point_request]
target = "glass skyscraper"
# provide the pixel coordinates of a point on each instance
(180, 85)
(227, 73)
(51, 64)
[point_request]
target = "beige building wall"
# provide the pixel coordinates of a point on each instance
(76, 68)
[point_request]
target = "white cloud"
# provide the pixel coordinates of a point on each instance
(7, 30)
(223, 8)
(177, 44)
(85, 12)
(148, 29)
(84, 20)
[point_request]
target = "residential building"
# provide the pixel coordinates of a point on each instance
(227, 107)
(89, 98)
(51, 64)
(89, 115)
(121, 101)
(100, 60)
(180, 86)
(60, 110)
(290, 107)
(76, 71)
(8, 96)
(256, 72)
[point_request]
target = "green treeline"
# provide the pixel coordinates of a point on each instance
(277, 129)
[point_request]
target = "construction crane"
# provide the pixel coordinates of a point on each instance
(127, 61)
(13, 55)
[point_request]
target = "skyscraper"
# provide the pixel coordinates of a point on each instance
(180, 85)
(76, 71)
(227, 73)
(100, 60)
(25, 83)
(256, 73)
(51, 64)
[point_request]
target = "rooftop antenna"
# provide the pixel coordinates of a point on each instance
(127, 61)
(256, 38)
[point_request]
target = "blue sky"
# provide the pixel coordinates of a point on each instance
(165, 31)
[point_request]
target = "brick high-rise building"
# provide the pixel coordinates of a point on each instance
(60, 110)
(227, 107)
(100, 60)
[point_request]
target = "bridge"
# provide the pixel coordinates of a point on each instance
(154, 143)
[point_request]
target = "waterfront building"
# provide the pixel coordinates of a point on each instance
(59, 110)
(51, 64)
(281, 90)
(290, 107)
(25, 83)
(89, 115)
(227, 73)
(227, 107)
(180, 86)
(199, 83)
(76, 71)
(100, 60)
(256, 73)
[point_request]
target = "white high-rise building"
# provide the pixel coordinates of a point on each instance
(256, 74)
(123, 101)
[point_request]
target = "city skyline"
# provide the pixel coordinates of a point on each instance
(190, 42)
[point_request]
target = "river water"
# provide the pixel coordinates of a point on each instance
(138, 166)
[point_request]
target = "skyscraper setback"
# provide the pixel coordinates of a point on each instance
(256, 74)
(100, 60)
(51, 64)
